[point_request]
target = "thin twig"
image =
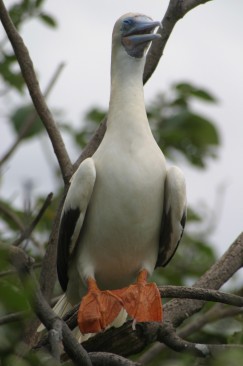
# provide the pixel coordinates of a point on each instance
(9, 214)
(30, 119)
(13, 271)
(13, 317)
(30, 78)
(168, 336)
(26, 233)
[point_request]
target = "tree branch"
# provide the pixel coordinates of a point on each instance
(168, 336)
(183, 292)
(109, 359)
(30, 78)
(10, 318)
(217, 312)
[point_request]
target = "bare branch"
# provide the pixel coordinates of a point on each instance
(48, 270)
(10, 318)
(217, 312)
(184, 292)
(26, 233)
(13, 271)
(9, 214)
(93, 144)
(30, 78)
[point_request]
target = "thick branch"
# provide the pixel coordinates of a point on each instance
(30, 78)
(183, 292)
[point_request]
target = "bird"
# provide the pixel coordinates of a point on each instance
(125, 210)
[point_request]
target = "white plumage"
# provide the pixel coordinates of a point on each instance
(124, 211)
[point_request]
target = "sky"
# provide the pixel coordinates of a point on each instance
(205, 49)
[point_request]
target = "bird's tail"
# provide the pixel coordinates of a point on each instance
(63, 306)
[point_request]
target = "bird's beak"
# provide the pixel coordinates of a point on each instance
(142, 32)
(136, 39)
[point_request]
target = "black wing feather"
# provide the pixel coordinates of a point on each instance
(66, 230)
(164, 243)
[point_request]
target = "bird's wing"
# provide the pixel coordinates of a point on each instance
(174, 215)
(74, 209)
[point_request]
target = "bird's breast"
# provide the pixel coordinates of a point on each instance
(121, 229)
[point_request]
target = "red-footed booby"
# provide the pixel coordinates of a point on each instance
(125, 212)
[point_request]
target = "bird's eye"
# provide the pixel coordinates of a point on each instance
(127, 22)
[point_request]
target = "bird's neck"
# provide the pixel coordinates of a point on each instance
(126, 108)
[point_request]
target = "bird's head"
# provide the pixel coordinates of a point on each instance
(134, 32)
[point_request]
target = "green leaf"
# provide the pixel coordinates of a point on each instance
(38, 3)
(23, 116)
(187, 90)
(11, 77)
(95, 115)
(191, 134)
(192, 215)
(48, 20)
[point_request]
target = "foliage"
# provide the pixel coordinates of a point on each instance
(20, 13)
(176, 126)
(181, 132)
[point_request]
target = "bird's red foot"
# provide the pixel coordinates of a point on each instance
(142, 300)
(98, 309)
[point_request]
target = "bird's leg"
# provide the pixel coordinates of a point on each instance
(98, 309)
(142, 300)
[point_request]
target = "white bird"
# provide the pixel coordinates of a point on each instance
(125, 212)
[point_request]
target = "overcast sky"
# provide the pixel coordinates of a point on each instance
(206, 49)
